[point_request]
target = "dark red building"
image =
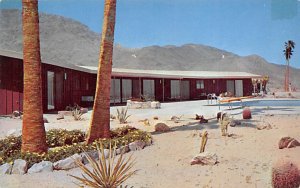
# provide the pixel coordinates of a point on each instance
(66, 84)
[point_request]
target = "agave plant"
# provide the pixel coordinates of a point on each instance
(106, 173)
(122, 115)
(77, 114)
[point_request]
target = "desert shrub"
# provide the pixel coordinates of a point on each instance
(61, 137)
(122, 115)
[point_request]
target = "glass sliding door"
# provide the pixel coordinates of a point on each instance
(50, 90)
(115, 91)
(185, 89)
(175, 89)
(230, 87)
(149, 89)
(126, 89)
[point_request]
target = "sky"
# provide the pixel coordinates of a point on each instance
(244, 27)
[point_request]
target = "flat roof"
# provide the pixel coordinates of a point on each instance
(177, 74)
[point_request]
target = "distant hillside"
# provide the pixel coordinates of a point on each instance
(64, 40)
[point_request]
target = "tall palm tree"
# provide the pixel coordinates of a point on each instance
(100, 121)
(33, 130)
(288, 52)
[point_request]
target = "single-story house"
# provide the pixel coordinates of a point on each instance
(64, 84)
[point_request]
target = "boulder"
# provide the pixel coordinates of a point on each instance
(16, 114)
(65, 113)
(60, 116)
(92, 154)
(137, 145)
(234, 123)
(44, 166)
(14, 132)
(288, 142)
(19, 167)
(263, 125)
(5, 169)
(123, 149)
(67, 163)
(45, 120)
(205, 158)
(161, 127)
(247, 113)
(84, 110)
(155, 104)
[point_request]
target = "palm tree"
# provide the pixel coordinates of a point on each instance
(288, 52)
(100, 121)
(33, 130)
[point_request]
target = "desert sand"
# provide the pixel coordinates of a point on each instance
(245, 160)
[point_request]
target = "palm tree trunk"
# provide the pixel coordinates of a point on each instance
(33, 130)
(288, 76)
(100, 121)
(286, 81)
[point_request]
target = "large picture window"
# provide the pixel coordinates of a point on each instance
(199, 84)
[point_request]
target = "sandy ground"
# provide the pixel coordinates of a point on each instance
(244, 161)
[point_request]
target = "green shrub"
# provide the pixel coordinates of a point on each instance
(64, 143)
(62, 137)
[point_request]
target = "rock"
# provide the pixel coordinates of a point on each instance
(92, 154)
(45, 120)
(137, 145)
(138, 104)
(44, 166)
(155, 117)
(19, 167)
(67, 163)
(234, 123)
(155, 104)
(14, 132)
(175, 118)
(247, 113)
(60, 116)
(263, 125)
(5, 169)
(84, 110)
(16, 114)
(161, 127)
(288, 142)
(123, 149)
(65, 113)
(205, 158)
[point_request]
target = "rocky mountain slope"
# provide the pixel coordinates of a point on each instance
(64, 40)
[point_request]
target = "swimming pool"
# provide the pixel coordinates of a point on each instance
(264, 103)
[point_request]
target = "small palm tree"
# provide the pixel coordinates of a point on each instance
(288, 52)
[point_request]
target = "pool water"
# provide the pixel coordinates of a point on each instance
(265, 103)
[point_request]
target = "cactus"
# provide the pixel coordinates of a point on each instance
(203, 141)
(285, 175)
(247, 113)
(122, 115)
(224, 122)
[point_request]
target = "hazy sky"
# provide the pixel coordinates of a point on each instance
(243, 27)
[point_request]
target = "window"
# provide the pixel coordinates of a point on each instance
(50, 90)
(199, 84)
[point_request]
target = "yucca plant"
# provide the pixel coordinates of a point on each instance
(77, 114)
(106, 173)
(122, 115)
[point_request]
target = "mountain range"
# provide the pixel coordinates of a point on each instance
(65, 40)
